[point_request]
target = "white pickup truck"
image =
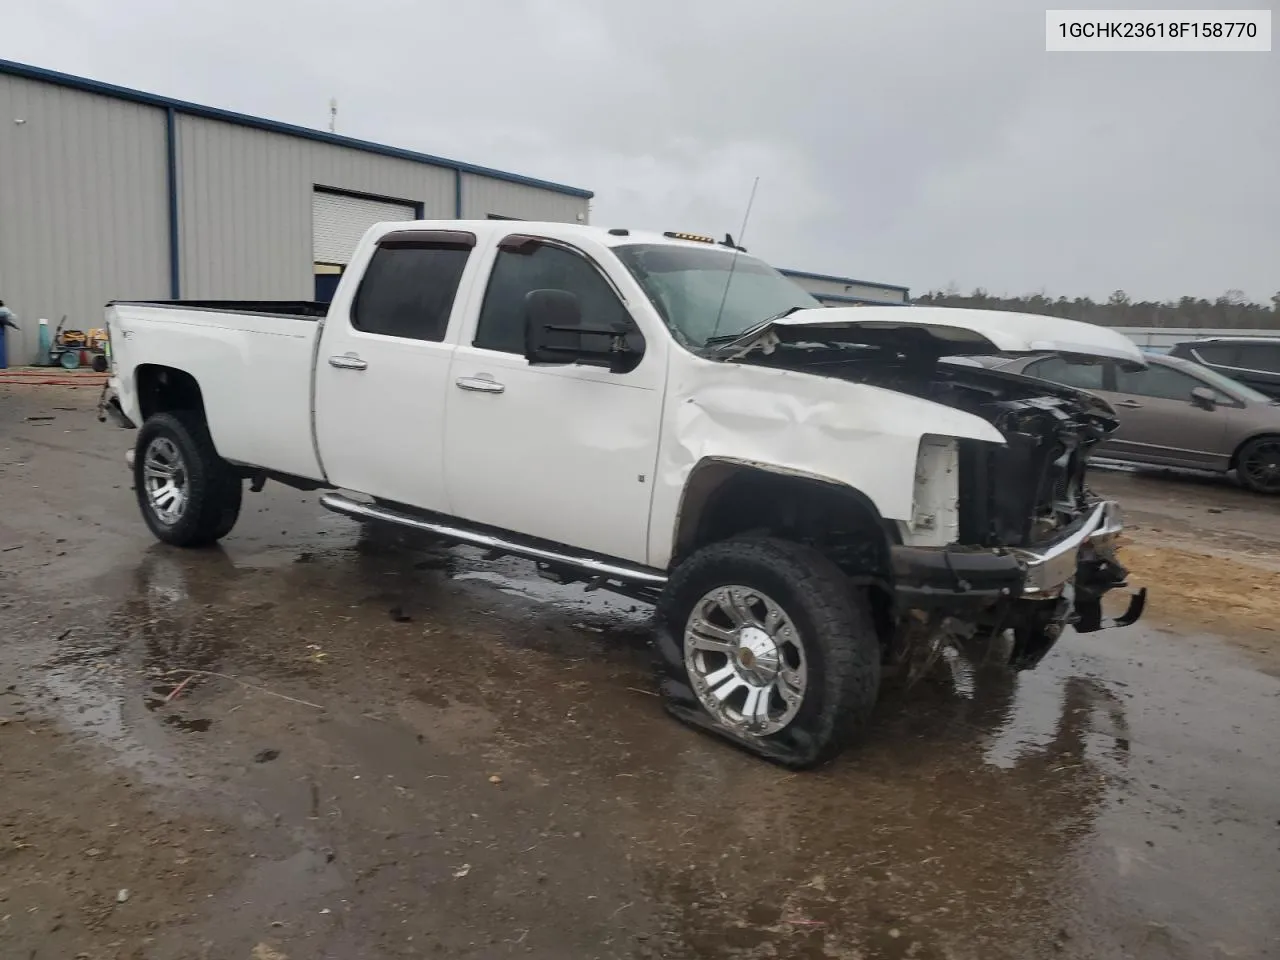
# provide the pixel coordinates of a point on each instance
(812, 497)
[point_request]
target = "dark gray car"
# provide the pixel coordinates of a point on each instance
(1254, 361)
(1176, 413)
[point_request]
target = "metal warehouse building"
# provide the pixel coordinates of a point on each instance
(110, 193)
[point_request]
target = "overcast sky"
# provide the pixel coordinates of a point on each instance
(919, 143)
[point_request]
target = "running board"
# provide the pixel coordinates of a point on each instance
(604, 568)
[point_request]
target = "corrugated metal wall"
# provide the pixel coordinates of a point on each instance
(84, 202)
(83, 206)
(482, 196)
(245, 202)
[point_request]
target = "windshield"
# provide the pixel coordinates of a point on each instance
(688, 286)
(1230, 387)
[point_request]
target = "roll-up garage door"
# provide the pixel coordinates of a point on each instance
(339, 221)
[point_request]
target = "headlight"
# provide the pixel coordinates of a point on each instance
(935, 504)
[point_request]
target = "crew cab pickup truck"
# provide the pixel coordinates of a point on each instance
(813, 498)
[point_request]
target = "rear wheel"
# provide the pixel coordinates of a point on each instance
(188, 495)
(766, 643)
(1258, 465)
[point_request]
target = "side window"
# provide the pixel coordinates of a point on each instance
(501, 324)
(1082, 376)
(1219, 353)
(1157, 382)
(408, 290)
(1259, 356)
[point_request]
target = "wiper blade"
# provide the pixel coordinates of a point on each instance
(730, 337)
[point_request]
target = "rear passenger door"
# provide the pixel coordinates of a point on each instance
(383, 365)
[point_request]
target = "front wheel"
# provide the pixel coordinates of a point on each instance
(766, 642)
(189, 496)
(1258, 465)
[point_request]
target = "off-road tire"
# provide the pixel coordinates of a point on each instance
(833, 619)
(214, 489)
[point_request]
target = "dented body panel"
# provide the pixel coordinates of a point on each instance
(851, 434)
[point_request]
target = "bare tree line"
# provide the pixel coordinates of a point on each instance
(1232, 310)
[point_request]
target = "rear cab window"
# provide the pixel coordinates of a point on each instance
(410, 284)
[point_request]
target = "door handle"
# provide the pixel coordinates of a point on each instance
(1131, 404)
(480, 384)
(348, 362)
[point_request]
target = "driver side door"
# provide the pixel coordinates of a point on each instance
(562, 452)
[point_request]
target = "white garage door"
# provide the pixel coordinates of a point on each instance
(339, 221)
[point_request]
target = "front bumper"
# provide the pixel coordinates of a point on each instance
(1060, 582)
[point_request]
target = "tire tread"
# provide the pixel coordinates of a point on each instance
(845, 637)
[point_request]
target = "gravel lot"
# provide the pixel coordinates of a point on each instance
(490, 775)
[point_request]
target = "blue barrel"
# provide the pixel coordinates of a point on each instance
(4, 353)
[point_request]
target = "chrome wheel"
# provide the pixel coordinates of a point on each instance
(1261, 465)
(745, 660)
(164, 473)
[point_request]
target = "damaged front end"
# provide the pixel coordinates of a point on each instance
(1013, 542)
(947, 595)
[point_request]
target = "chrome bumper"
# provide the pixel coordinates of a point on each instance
(1052, 566)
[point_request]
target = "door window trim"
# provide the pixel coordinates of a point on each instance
(512, 243)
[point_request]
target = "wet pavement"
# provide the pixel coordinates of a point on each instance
(322, 741)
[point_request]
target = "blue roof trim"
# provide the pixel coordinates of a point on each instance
(273, 126)
(834, 298)
(846, 280)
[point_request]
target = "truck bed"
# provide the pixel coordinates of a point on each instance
(253, 361)
(293, 309)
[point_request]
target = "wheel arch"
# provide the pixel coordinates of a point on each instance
(717, 484)
(724, 498)
(1261, 434)
(164, 389)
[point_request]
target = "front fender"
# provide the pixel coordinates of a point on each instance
(850, 434)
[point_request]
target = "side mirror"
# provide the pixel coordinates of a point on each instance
(1204, 398)
(554, 333)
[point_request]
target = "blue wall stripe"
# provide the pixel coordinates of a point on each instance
(171, 175)
(274, 126)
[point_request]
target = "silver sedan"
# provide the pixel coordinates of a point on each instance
(1176, 413)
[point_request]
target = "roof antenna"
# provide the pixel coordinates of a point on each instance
(333, 115)
(742, 234)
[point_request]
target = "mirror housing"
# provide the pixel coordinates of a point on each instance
(1204, 398)
(554, 334)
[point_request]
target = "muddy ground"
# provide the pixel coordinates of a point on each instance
(487, 773)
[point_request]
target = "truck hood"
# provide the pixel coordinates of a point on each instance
(937, 331)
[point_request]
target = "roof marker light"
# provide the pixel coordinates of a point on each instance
(696, 238)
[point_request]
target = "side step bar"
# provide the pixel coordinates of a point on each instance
(601, 568)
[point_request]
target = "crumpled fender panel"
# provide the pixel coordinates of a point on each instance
(855, 434)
